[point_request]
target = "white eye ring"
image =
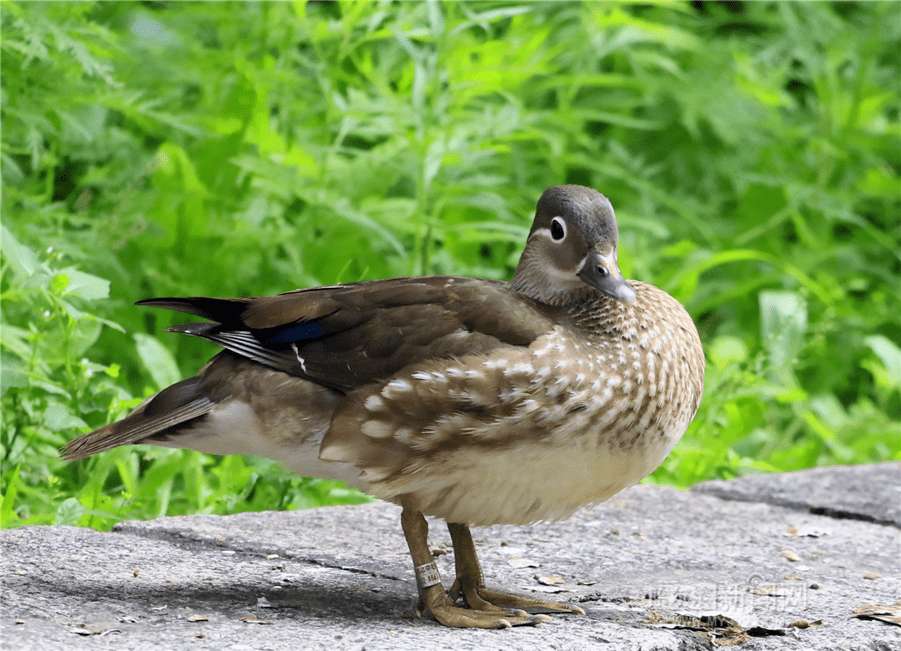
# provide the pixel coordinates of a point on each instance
(558, 229)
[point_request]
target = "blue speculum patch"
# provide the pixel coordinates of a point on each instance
(295, 333)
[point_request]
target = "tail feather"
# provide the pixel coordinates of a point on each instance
(223, 310)
(169, 408)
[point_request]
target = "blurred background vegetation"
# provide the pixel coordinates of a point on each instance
(164, 148)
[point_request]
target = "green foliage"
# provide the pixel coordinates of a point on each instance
(154, 149)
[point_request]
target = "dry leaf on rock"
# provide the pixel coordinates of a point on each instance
(519, 563)
(887, 614)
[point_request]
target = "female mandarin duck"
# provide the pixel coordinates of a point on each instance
(427, 392)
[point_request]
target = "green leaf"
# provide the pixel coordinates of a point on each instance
(889, 354)
(728, 350)
(69, 513)
(783, 324)
(85, 285)
(8, 498)
(11, 373)
(157, 360)
(23, 260)
(58, 418)
(59, 283)
(85, 335)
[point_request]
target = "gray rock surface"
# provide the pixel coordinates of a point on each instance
(871, 493)
(652, 567)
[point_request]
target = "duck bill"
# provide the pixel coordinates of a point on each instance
(602, 273)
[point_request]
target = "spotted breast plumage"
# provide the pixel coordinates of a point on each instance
(476, 401)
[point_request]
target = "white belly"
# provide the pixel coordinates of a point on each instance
(234, 428)
(527, 485)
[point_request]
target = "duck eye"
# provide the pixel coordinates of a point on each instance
(558, 229)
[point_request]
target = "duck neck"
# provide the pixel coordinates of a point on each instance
(542, 282)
